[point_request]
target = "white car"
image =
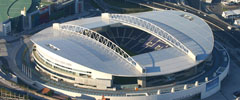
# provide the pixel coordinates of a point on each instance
(236, 95)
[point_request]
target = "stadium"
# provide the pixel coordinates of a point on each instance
(131, 56)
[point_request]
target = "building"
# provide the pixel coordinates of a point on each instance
(135, 52)
(1, 29)
(231, 14)
(5, 28)
(230, 2)
(58, 9)
(237, 22)
(208, 1)
(234, 1)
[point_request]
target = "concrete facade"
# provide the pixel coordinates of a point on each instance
(76, 77)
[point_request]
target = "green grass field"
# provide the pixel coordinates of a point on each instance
(13, 8)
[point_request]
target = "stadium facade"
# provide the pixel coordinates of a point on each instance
(118, 52)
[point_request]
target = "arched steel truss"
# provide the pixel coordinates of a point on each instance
(150, 28)
(108, 44)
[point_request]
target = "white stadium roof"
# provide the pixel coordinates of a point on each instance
(189, 29)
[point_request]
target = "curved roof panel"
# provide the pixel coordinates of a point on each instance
(189, 29)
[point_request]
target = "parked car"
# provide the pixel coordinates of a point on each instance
(236, 94)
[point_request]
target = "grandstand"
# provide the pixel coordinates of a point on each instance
(133, 41)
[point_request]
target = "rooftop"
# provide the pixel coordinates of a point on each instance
(194, 33)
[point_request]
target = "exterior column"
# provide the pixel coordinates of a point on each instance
(142, 81)
(76, 7)
(77, 4)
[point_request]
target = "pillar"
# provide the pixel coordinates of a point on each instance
(172, 90)
(185, 87)
(142, 81)
(196, 83)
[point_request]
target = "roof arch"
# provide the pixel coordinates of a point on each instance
(150, 28)
(106, 43)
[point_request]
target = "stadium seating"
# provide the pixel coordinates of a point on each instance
(134, 40)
